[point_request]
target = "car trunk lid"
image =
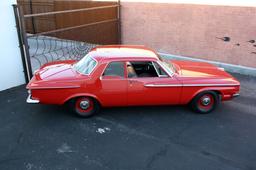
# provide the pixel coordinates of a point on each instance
(56, 70)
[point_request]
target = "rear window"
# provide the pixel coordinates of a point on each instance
(86, 65)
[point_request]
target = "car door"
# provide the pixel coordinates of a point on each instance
(113, 91)
(150, 88)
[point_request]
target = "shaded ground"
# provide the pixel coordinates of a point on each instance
(49, 137)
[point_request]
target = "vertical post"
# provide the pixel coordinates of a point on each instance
(119, 31)
(15, 9)
(22, 35)
(32, 19)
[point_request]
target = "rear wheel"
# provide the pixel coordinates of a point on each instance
(205, 102)
(85, 106)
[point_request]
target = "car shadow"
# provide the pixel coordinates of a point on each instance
(51, 111)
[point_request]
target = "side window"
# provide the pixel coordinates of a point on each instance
(160, 70)
(141, 69)
(114, 69)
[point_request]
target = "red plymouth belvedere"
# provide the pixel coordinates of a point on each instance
(129, 76)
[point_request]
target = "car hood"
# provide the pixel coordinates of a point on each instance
(198, 69)
(56, 71)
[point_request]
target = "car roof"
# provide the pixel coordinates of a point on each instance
(114, 52)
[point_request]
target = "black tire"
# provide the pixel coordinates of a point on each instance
(84, 106)
(205, 102)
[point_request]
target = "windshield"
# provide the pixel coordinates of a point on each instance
(167, 65)
(85, 65)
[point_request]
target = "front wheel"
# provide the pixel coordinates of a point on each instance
(85, 106)
(205, 102)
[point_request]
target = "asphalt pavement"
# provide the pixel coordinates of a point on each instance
(35, 137)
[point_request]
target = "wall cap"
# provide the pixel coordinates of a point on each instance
(228, 67)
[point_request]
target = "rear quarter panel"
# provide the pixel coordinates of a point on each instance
(60, 91)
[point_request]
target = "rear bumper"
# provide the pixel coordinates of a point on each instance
(32, 101)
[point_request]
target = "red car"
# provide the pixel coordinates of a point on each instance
(128, 76)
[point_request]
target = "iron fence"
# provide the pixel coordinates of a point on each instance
(71, 34)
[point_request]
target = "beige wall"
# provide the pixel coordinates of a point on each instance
(192, 30)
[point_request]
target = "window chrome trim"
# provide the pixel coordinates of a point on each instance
(159, 75)
(167, 70)
(155, 69)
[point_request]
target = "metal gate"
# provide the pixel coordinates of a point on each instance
(61, 30)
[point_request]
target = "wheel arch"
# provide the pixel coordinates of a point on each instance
(216, 90)
(81, 95)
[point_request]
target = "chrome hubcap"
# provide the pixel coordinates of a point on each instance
(206, 101)
(84, 104)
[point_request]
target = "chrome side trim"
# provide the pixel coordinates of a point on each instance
(163, 85)
(218, 85)
(189, 85)
(32, 101)
(56, 87)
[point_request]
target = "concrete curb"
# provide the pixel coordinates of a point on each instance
(228, 67)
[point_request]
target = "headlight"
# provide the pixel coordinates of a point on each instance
(29, 91)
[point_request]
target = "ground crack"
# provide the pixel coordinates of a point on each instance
(156, 156)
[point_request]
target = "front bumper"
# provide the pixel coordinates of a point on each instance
(230, 96)
(32, 101)
(236, 95)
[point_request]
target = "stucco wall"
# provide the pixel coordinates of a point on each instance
(193, 30)
(11, 69)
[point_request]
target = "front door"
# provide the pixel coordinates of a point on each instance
(113, 91)
(149, 84)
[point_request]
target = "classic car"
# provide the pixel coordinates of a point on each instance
(119, 75)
